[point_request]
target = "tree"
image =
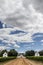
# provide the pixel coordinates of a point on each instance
(29, 53)
(2, 52)
(41, 53)
(12, 52)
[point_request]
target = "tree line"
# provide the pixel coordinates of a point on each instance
(32, 53)
(13, 52)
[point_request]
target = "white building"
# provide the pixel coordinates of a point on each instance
(5, 54)
(37, 54)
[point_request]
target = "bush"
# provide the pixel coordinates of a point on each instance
(40, 58)
(6, 59)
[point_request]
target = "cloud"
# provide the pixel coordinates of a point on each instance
(5, 35)
(16, 46)
(22, 19)
(8, 7)
(26, 3)
(30, 17)
(38, 5)
(38, 37)
(3, 47)
(10, 43)
(17, 32)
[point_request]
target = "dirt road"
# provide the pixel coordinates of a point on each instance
(22, 61)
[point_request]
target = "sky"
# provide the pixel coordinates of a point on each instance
(21, 25)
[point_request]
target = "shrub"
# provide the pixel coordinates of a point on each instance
(40, 58)
(6, 59)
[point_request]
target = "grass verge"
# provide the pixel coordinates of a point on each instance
(40, 58)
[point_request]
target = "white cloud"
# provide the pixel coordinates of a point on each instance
(14, 13)
(11, 8)
(9, 42)
(3, 47)
(16, 46)
(21, 37)
(41, 40)
(32, 20)
(1, 39)
(8, 7)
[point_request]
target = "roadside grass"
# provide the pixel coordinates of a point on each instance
(40, 58)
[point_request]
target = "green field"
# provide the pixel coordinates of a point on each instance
(40, 58)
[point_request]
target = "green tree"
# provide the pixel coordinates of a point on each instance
(41, 53)
(2, 52)
(29, 53)
(12, 52)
